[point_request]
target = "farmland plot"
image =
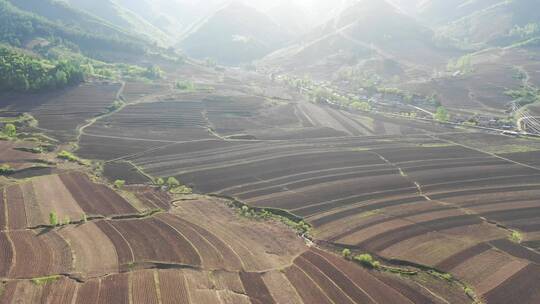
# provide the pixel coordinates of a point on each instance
(411, 199)
(68, 195)
(330, 278)
(15, 154)
(59, 113)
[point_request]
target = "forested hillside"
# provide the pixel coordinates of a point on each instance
(21, 29)
(22, 72)
(121, 17)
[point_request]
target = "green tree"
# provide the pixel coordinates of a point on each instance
(153, 72)
(441, 114)
(361, 105)
(172, 182)
(367, 260)
(10, 130)
(160, 181)
(61, 79)
(346, 253)
(53, 219)
(119, 183)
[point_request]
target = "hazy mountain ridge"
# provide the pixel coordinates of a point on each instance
(122, 17)
(366, 30)
(234, 34)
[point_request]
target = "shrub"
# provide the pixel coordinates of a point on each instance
(10, 130)
(160, 181)
(516, 236)
(441, 114)
(302, 227)
(361, 105)
(182, 190)
(367, 260)
(5, 170)
(117, 104)
(68, 156)
(153, 72)
(185, 85)
(346, 253)
(119, 183)
(84, 218)
(67, 220)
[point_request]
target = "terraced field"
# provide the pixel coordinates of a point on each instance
(198, 252)
(423, 199)
(18, 155)
(419, 199)
(59, 113)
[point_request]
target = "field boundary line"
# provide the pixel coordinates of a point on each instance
(6, 213)
(201, 258)
(14, 256)
(328, 278)
(125, 240)
(355, 283)
(284, 185)
(157, 285)
(212, 245)
(75, 294)
(241, 244)
(353, 205)
(488, 153)
(433, 293)
(294, 175)
(130, 287)
(315, 283)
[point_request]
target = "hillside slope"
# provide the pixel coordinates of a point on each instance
(122, 17)
(500, 24)
(235, 34)
(365, 31)
(54, 24)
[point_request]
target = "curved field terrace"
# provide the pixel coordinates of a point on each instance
(281, 186)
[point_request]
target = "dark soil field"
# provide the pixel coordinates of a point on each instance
(60, 113)
(419, 197)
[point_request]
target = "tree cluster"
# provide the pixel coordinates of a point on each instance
(21, 72)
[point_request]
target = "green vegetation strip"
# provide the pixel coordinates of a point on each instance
(289, 219)
(44, 280)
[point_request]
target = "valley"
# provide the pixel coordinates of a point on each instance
(379, 156)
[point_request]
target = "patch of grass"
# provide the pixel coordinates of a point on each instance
(441, 275)
(369, 213)
(398, 270)
(436, 145)
(44, 280)
(517, 149)
(185, 85)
